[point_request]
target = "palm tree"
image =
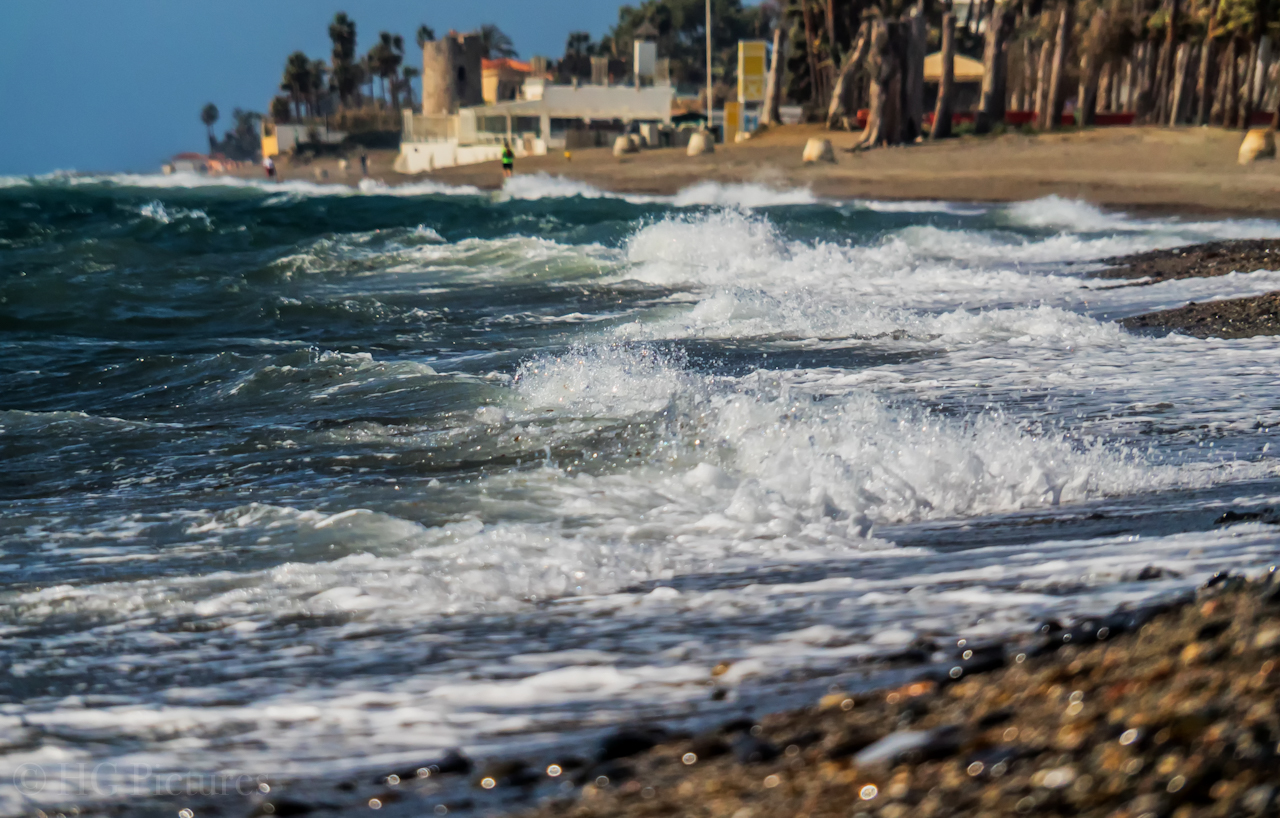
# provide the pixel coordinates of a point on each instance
(209, 115)
(495, 43)
(342, 32)
(390, 58)
(406, 84)
(426, 34)
(368, 72)
(297, 79)
(318, 84)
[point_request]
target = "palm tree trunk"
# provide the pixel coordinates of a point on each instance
(1217, 109)
(1229, 86)
(1260, 74)
(1181, 67)
(1147, 79)
(1104, 88)
(1167, 67)
(769, 116)
(1058, 76)
(1204, 81)
(1246, 93)
(831, 32)
(918, 29)
(1087, 95)
(1042, 82)
(994, 64)
(1132, 78)
(1025, 85)
(842, 108)
(946, 83)
(885, 61)
(815, 79)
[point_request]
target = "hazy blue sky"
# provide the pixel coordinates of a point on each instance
(118, 84)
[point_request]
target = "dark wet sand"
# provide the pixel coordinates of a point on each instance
(1234, 318)
(1198, 261)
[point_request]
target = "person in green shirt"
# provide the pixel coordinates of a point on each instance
(508, 159)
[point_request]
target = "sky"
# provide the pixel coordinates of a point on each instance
(131, 76)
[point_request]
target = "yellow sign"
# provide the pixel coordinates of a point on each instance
(751, 70)
(732, 120)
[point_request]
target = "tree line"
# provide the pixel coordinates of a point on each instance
(241, 141)
(681, 28)
(379, 79)
(1168, 62)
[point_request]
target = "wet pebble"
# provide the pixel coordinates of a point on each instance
(630, 741)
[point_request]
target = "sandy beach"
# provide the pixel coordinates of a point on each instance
(1150, 169)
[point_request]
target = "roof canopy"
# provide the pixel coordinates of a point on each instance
(646, 31)
(966, 69)
(507, 63)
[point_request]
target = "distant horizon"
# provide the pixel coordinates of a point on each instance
(132, 80)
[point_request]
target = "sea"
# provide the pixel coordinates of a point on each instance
(302, 481)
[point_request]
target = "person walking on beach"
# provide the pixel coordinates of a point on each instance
(508, 159)
(269, 166)
(364, 164)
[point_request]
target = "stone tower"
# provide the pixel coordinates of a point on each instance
(451, 75)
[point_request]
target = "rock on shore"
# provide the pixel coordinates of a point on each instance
(1198, 261)
(1235, 318)
(1178, 718)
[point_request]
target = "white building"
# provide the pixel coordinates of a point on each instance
(547, 117)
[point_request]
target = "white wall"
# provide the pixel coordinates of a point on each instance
(289, 135)
(423, 157)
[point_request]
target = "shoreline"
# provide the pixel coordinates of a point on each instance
(1246, 317)
(1101, 716)
(1141, 712)
(1155, 171)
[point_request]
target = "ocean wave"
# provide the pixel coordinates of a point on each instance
(921, 206)
(157, 211)
(542, 185)
(422, 251)
(745, 195)
(1077, 216)
(288, 187)
(18, 421)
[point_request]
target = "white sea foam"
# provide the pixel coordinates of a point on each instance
(1074, 215)
(159, 212)
(423, 252)
(285, 187)
(922, 206)
(745, 195)
(1054, 211)
(542, 185)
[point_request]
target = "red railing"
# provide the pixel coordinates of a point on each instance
(1019, 118)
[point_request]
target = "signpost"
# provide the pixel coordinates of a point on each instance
(752, 75)
(752, 82)
(711, 100)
